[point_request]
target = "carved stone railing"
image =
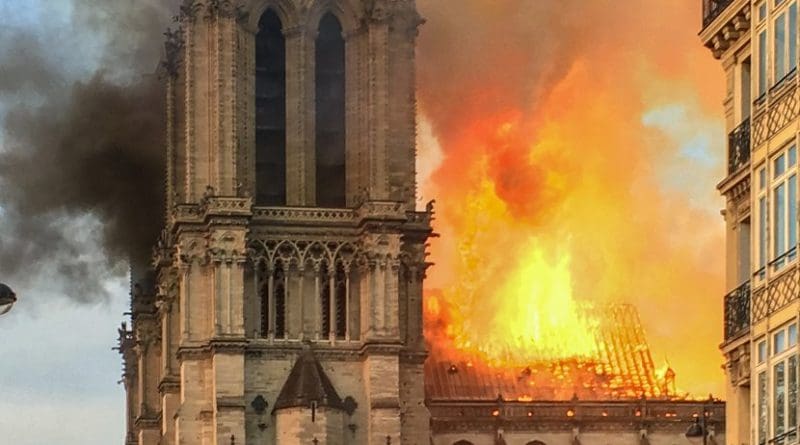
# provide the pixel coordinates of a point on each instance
(737, 311)
(739, 147)
(712, 9)
(304, 214)
(778, 293)
(448, 416)
(781, 108)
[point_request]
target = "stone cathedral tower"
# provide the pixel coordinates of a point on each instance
(286, 298)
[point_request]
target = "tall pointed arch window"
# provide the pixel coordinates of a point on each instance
(330, 113)
(270, 111)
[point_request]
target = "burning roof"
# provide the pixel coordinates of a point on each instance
(620, 367)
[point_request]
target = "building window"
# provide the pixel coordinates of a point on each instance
(762, 63)
(784, 399)
(779, 343)
(270, 112)
(762, 11)
(330, 113)
(762, 222)
(333, 301)
(340, 291)
(785, 43)
(776, 389)
(779, 398)
(784, 207)
(763, 419)
(325, 299)
(792, 47)
(273, 302)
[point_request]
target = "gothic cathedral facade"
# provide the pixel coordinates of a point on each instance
(284, 303)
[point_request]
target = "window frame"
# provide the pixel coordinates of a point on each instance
(767, 393)
(781, 216)
(783, 12)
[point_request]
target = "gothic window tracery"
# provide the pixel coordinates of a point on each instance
(270, 111)
(340, 291)
(330, 113)
(272, 292)
(280, 301)
(325, 299)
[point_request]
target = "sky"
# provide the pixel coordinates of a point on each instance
(581, 121)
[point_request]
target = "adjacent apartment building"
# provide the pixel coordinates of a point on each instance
(756, 42)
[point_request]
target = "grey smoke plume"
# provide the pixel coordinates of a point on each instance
(81, 142)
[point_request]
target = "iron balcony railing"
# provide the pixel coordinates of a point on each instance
(739, 147)
(712, 9)
(737, 311)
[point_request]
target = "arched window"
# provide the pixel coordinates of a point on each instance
(463, 442)
(270, 112)
(279, 293)
(340, 291)
(325, 299)
(273, 305)
(535, 442)
(330, 118)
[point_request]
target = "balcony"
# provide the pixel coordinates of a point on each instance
(712, 9)
(739, 147)
(737, 311)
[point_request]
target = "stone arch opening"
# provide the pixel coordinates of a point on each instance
(270, 111)
(330, 113)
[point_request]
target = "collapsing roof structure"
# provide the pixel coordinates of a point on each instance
(621, 368)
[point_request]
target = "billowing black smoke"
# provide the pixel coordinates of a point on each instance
(81, 145)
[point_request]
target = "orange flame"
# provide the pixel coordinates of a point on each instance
(573, 149)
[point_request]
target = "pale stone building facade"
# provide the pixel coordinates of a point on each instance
(756, 42)
(286, 303)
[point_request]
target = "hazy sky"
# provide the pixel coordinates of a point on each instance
(58, 373)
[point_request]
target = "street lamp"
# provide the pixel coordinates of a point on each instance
(7, 299)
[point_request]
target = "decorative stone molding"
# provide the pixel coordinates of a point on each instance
(192, 250)
(303, 253)
(285, 9)
(727, 28)
(737, 365)
(304, 215)
(173, 47)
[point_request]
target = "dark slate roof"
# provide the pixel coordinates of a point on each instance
(307, 383)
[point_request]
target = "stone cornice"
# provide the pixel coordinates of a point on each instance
(733, 23)
(737, 185)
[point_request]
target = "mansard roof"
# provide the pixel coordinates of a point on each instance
(307, 383)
